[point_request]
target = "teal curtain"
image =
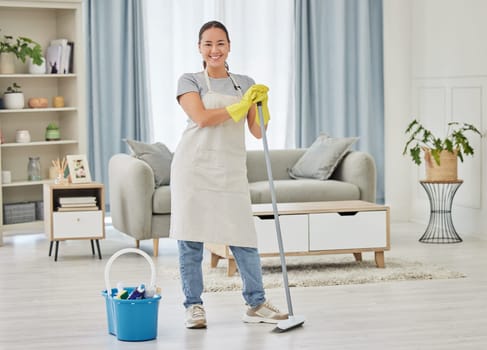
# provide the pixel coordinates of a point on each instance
(339, 74)
(117, 88)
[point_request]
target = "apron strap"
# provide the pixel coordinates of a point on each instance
(232, 78)
(237, 87)
(207, 80)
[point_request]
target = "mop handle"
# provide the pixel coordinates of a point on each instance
(274, 208)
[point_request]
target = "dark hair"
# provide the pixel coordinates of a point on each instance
(209, 25)
(212, 24)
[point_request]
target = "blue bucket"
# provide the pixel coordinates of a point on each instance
(131, 320)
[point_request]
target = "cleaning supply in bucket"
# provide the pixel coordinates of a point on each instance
(120, 286)
(138, 293)
(151, 291)
(122, 293)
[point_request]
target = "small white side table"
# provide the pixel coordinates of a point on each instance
(440, 228)
(78, 223)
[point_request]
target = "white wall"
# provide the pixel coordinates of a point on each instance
(435, 59)
(397, 108)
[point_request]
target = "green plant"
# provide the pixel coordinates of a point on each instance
(22, 48)
(52, 126)
(13, 89)
(454, 141)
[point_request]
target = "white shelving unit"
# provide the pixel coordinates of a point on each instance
(42, 21)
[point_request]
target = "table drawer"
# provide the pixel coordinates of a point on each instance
(79, 224)
(294, 230)
(367, 229)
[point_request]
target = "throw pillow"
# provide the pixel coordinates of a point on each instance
(157, 156)
(321, 158)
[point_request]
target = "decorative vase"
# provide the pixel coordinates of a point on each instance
(60, 179)
(7, 63)
(34, 169)
(22, 136)
(445, 171)
(37, 69)
(13, 100)
(58, 101)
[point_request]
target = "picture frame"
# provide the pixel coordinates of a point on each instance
(78, 168)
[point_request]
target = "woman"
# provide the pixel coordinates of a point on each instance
(210, 200)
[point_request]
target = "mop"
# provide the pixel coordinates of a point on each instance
(293, 321)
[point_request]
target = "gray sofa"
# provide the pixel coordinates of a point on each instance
(142, 211)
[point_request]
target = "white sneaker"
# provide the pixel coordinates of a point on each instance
(195, 316)
(265, 312)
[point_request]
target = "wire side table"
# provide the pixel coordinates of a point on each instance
(440, 227)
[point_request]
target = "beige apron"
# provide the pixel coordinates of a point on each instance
(210, 200)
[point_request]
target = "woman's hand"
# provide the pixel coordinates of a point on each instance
(255, 93)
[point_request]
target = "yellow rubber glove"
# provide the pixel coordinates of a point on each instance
(258, 92)
(265, 113)
(254, 94)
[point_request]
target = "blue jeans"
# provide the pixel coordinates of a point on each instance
(248, 263)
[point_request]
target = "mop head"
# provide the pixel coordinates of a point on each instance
(291, 323)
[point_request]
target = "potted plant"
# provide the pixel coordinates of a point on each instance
(21, 48)
(52, 132)
(13, 98)
(441, 154)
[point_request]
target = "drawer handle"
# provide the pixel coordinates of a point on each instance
(77, 219)
(266, 217)
(348, 213)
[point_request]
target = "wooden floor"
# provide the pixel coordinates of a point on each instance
(58, 305)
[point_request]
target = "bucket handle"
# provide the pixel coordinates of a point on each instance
(125, 251)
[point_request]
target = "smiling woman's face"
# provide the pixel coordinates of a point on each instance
(214, 47)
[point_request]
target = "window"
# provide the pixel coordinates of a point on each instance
(258, 50)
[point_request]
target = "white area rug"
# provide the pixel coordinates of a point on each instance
(327, 270)
(303, 271)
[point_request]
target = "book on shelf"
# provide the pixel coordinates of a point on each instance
(77, 200)
(93, 208)
(53, 58)
(70, 58)
(59, 56)
(77, 205)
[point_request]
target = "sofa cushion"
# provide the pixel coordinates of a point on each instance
(306, 190)
(157, 156)
(281, 161)
(322, 157)
(161, 200)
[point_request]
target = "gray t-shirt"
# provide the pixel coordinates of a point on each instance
(196, 82)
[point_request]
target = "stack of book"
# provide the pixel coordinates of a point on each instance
(77, 203)
(59, 56)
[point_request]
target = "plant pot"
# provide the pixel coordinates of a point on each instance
(445, 171)
(53, 135)
(35, 69)
(7, 63)
(13, 100)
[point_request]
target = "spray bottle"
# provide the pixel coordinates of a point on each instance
(137, 293)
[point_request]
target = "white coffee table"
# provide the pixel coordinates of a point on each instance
(315, 228)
